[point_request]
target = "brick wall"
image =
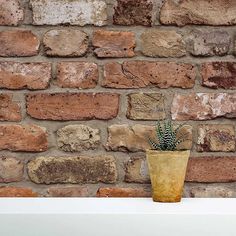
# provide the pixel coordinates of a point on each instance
(83, 81)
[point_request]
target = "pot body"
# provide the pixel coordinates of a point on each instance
(167, 171)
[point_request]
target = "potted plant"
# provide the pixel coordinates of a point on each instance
(167, 166)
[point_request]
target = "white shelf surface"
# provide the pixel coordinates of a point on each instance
(116, 217)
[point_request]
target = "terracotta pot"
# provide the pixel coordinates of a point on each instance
(167, 172)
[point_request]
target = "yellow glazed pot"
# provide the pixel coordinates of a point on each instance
(167, 171)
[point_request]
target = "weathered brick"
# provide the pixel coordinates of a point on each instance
(212, 191)
(16, 192)
(68, 192)
(113, 43)
(81, 75)
(219, 75)
(11, 12)
(133, 12)
(199, 12)
(20, 43)
(73, 170)
(73, 106)
(140, 74)
(135, 138)
(11, 170)
(73, 138)
(15, 75)
(146, 106)
(216, 138)
(124, 192)
(203, 106)
(9, 110)
(208, 43)
(136, 170)
(28, 138)
(211, 169)
(73, 12)
(162, 43)
(65, 43)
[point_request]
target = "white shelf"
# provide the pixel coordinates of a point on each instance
(116, 217)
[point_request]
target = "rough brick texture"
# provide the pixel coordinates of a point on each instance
(203, 106)
(211, 169)
(160, 43)
(80, 106)
(219, 75)
(146, 106)
(81, 75)
(133, 12)
(209, 43)
(199, 12)
(77, 138)
(11, 12)
(15, 75)
(65, 43)
(11, 170)
(22, 43)
(113, 43)
(68, 192)
(9, 110)
(216, 138)
(79, 12)
(83, 83)
(73, 169)
(28, 138)
(136, 170)
(123, 192)
(140, 74)
(17, 192)
(134, 138)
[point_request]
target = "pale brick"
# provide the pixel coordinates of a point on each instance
(203, 106)
(162, 43)
(65, 43)
(72, 138)
(81, 75)
(73, 12)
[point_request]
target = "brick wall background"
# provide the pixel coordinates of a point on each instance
(83, 81)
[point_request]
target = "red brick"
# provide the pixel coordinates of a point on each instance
(11, 170)
(211, 169)
(73, 106)
(113, 43)
(82, 75)
(140, 74)
(219, 75)
(15, 75)
(11, 12)
(68, 192)
(9, 110)
(123, 192)
(20, 43)
(203, 106)
(17, 192)
(28, 138)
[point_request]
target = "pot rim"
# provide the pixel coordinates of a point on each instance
(159, 151)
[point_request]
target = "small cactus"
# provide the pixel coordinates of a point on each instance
(166, 136)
